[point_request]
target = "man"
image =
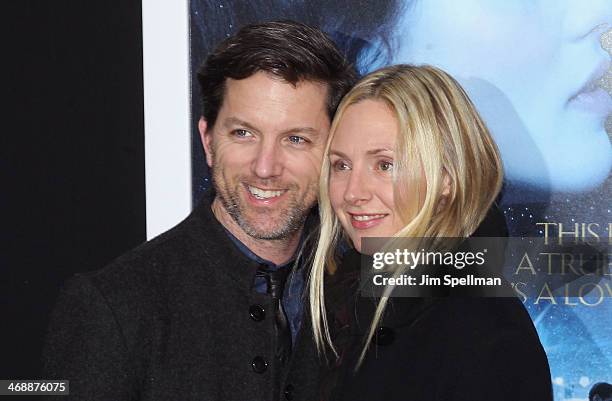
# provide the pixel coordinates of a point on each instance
(199, 312)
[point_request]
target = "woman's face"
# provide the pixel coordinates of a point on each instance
(531, 67)
(361, 172)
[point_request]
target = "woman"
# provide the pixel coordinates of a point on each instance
(409, 156)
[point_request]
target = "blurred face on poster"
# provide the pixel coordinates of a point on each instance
(533, 68)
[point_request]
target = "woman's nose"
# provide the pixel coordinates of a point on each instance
(357, 190)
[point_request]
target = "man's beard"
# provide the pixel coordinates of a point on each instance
(290, 220)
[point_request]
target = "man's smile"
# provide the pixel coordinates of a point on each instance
(261, 193)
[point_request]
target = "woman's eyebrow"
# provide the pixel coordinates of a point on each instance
(369, 152)
(378, 150)
(337, 153)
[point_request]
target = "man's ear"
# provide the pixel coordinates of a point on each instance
(206, 138)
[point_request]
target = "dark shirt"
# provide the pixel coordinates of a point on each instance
(292, 294)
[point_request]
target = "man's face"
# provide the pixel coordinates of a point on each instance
(265, 153)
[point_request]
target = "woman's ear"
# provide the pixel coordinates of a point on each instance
(446, 191)
(446, 184)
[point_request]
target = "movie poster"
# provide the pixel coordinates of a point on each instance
(539, 73)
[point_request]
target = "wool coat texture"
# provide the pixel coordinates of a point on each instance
(173, 320)
(433, 348)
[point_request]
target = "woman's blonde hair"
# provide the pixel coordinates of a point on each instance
(440, 135)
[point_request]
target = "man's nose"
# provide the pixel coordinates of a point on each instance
(357, 190)
(268, 160)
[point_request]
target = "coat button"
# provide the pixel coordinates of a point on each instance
(383, 336)
(259, 364)
(257, 313)
(289, 392)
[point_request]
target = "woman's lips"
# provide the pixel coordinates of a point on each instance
(591, 97)
(596, 101)
(364, 221)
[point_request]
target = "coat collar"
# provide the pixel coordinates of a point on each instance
(342, 289)
(212, 241)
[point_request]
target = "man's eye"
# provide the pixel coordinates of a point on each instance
(242, 133)
(385, 166)
(298, 140)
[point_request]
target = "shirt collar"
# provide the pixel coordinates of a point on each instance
(253, 256)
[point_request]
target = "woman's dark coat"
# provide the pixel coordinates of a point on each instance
(447, 348)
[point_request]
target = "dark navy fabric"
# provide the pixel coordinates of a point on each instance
(292, 294)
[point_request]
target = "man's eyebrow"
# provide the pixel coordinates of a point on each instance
(302, 130)
(233, 121)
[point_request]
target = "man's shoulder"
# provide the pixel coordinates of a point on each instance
(176, 256)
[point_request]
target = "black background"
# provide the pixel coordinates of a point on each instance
(72, 157)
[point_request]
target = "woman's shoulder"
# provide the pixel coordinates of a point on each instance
(479, 316)
(498, 311)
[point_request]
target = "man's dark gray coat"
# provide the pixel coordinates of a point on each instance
(171, 320)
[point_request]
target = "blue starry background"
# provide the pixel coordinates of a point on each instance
(577, 338)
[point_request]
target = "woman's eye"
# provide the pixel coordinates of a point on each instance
(297, 140)
(385, 166)
(340, 165)
(242, 133)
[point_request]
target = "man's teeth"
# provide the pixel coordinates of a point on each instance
(262, 194)
(368, 217)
